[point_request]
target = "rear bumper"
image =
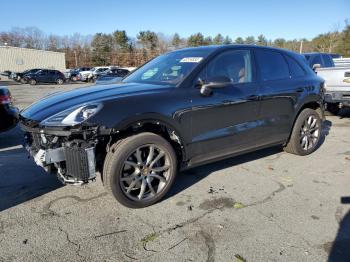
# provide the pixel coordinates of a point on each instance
(342, 97)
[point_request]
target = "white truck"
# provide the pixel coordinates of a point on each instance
(337, 81)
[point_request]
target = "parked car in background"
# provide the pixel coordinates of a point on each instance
(342, 62)
(107, 80)
(6, 73)
(45, 76)
(319, 60)
(73, 74)
(112, 73)
(23, 78)
(180, 110)
(8, 113)
(19, 76)
(337, 87)
(337, 81)
(335, 56)
(88, 76)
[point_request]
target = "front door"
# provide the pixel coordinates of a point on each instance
(42, 76)
(225, 122)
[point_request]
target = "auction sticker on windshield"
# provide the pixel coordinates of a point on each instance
(191, 59)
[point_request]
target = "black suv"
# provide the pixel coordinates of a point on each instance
(180, 110)
(45, 76)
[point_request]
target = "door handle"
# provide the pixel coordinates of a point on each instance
(300, 90)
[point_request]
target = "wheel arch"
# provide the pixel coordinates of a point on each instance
(312, 104)
(154, 124)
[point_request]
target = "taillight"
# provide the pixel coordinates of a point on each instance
(5, 99)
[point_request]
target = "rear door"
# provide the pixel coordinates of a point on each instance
(279, 93)
(52, 76)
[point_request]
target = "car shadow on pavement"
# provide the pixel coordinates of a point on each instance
(340, 250)
(9, 83)
(190, 177)
(20, 179)
(344, 113)
(11, 138)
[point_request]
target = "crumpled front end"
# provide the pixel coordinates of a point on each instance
(70, 154)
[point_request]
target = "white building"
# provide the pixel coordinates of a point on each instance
(19, 59)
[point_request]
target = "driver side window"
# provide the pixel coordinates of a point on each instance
(235, 65)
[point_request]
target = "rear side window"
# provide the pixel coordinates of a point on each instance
(295, 69)
(328, 62)
(272, 65)
(316, 60)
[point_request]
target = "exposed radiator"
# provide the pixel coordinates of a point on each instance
(80, 163)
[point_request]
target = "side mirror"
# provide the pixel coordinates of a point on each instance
(213, 83)
(315, 66)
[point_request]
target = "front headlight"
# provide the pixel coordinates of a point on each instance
(72, 116)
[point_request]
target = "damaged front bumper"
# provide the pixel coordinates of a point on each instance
(71, 156)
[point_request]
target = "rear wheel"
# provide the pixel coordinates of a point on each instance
(306, 133)
(140, 170)
(32, 82)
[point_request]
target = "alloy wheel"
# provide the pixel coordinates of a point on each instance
(309, 133)
(145, 173)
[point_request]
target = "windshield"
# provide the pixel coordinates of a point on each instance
(170, 68)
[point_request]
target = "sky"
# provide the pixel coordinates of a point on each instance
(290, 19)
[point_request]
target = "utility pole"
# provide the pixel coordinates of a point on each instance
(301, 47)
(76, 59)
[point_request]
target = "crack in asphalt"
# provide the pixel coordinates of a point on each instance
(72, 242)
(2, 227)
(178, 243)
(269, 197)
(210, 243)
(285, 230)
(47, 211)
(221, 205)
(111, 233)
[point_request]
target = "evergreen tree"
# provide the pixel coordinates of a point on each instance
(218, 39)
(176, 41)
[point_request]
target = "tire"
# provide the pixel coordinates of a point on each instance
(59, 81)
(32, 82)
(303, 141)
(74, 79)
(333, 109)
(122, 171)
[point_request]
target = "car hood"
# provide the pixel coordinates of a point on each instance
(58, 102)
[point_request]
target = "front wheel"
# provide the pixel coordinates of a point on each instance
(306, 133)
(32, 82)
(140, 170)
(59, 81)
